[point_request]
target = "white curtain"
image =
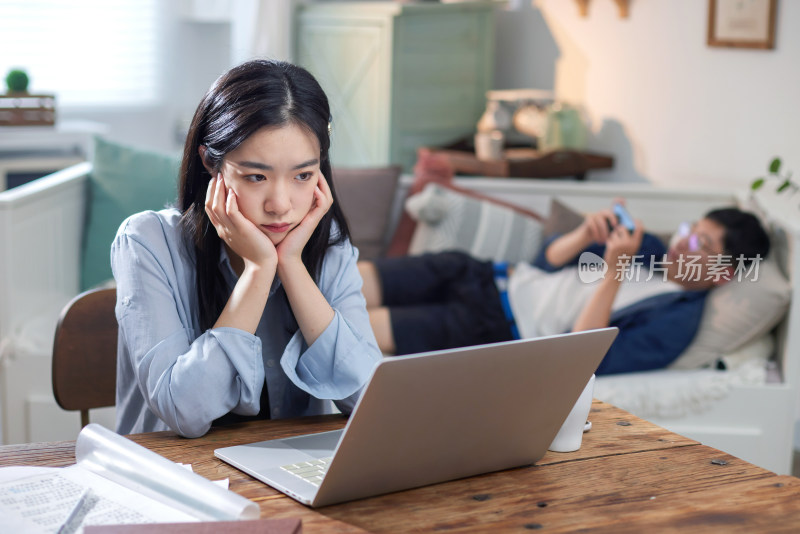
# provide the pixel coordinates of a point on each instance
(88, 52)
(261, 28)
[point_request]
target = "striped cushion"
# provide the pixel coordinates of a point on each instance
(451, 220)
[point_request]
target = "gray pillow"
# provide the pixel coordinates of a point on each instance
(366, 197)
(736, 313)
(561, 219)
(451, 220)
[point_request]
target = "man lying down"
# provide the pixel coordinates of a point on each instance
(606, 272)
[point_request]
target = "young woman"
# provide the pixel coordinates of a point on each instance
(246, 300)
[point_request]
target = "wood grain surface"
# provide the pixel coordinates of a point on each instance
(628, 476)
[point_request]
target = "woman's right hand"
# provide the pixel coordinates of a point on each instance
(237, 232)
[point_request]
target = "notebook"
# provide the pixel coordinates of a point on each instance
(436, 416)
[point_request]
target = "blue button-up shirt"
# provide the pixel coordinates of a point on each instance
(172, 375)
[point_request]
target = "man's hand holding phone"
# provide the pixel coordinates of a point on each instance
(597, 227)
(625, 238)
(623, 217)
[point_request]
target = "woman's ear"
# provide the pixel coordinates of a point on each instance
(202, 151)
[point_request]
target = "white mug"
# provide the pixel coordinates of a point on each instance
(489, 145)
(570, 436)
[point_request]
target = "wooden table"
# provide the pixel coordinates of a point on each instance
(629, 476)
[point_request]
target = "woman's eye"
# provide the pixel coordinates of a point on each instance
(304, 176)
(255, 177)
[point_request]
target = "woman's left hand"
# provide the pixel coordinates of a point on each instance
(291, 248)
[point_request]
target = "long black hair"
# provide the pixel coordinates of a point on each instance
(245, 99)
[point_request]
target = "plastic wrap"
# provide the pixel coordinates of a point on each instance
(119, 459)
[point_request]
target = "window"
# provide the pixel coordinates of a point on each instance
(87, 52)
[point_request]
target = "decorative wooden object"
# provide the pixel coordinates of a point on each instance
(622, 6)
(24, 109)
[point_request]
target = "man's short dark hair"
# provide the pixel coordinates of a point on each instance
(744, 235)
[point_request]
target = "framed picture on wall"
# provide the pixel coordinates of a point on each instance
(741, 23)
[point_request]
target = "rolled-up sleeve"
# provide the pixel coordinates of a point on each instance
(187, 381)
(339, 363)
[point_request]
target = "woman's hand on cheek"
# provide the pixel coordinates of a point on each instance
(295, 241)
(234, 229)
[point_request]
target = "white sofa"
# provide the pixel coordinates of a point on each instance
(40, 232)
(41, 227)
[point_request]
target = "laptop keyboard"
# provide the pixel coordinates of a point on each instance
(311, 471)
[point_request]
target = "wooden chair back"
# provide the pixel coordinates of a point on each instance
(85, 353)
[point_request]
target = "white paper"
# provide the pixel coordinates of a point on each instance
(45, 501)
(11, 521)
(135, 485)
(16, 472)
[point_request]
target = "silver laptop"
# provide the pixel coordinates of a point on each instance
(436, 416)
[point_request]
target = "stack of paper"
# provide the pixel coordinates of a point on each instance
(131, 484)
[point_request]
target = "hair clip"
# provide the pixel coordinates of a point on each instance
(329, 128)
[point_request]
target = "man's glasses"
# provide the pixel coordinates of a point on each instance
(697, 242)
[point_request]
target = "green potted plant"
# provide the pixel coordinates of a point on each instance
(774, 173)
(17, 81)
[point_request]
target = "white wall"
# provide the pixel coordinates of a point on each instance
(671, 109)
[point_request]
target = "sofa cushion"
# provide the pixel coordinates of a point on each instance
(366, 197)
(124, 181)
(561, 219)
(736, 313)
(450, 219)
(430, 167)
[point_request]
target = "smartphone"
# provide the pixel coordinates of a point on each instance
(624, 218)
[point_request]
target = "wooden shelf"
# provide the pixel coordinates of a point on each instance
(526, 163)
(25, 109)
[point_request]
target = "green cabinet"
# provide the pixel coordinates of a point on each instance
(398, 75)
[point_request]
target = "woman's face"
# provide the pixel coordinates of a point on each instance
(274, 174)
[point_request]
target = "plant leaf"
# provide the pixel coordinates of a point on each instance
(783, 186)
(757, 183)
(775, 165)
